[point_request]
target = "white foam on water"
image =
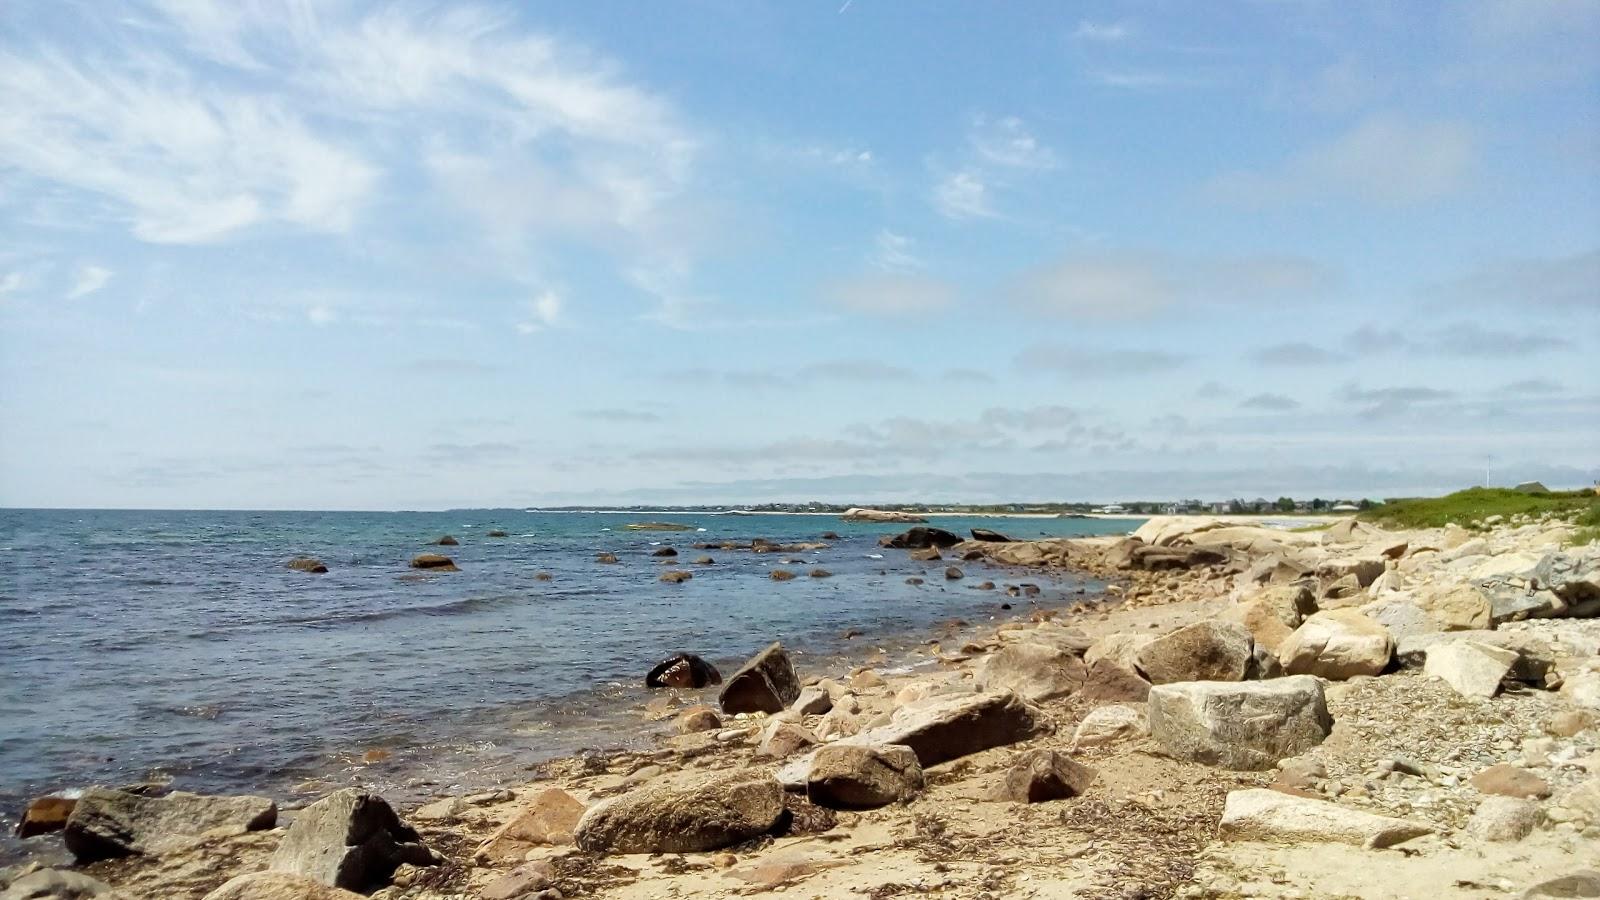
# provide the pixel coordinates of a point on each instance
(874, 556)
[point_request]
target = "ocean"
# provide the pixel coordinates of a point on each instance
(139, 645)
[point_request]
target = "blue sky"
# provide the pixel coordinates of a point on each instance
(375, 255)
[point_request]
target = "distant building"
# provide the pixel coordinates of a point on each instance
(1346, 507)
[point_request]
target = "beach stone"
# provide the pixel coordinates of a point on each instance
(433, 562)
(349, 839)
(1506, 780)
(988, 536)
(56, 884)
(1503, 819)
(1582, 883)
(813, 701)
(1034, 671)
(1109, 724)
(1112, 681)
(1243, 725)
(921, 538)
(45, 815)
(1459, 607)
(767, 683)
(784, 739)
(105, 824)
(525, 881)
(308, 564)
(1582, 689)
(682, 670)
(954, 574)
(1343, 592)
(1044, 775)
(698, 718)
(1472, 669)
(1336, 645)
(547, 819)
(278, 886)
(1261, 814)
(928, 554)
(1569, 722)
(845, 776)
(1273, 613)
(1205, 651)
(695, 815)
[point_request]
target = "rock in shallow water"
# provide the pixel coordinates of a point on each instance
(767, 683)
(682, 670)
(106, 824)
(690, 816)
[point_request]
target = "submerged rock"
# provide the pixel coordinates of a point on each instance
(307, 564)
(433, 561)
(693, 816)
(844, 776)
(682, 670)
(349, 839)
(607, 558)
(1244, 725)
(664, 552)
(106, 824)
(676, 576)
(446, 541)
(767, 683)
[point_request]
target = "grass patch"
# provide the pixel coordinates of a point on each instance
(1476, 504)
(1588, 523)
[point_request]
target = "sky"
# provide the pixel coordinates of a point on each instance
(348, 255)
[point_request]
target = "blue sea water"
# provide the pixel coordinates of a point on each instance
(138, 644)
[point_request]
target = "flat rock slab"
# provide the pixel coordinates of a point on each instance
(1473, 669)
(942, 728)
(1035, 671)
(1266, 815)
(1239, 725)
(549, 818)
(692, 816)
(351, 840)
(105, 824)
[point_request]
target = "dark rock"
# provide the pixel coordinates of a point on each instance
(846, 776)
(106, 824)
(984, 586)
(682, 670)
(954, 574)
(695, 816)
(676, 576)
(984, 534)
(830, 535)
(972, 556)
(542, 576)
(351, 840)
(704, 561)
(781, 575)
(433, 561)
(446, 541)
(664, 552)
(921, 538)
(308, 564)
(913, 580)
(497, 533)
(1044, 775)
(605, 558)
(767, 683)
(821, 573)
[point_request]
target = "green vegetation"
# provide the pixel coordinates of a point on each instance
(1473, 505)
(1588, 526)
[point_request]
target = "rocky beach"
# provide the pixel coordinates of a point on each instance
(1340, 710)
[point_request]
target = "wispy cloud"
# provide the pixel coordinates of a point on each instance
(1386, 160)
(1130, 285)
(1391, 401)
(1270, 402)
(963, 194)
(90, 278)
(1102, 32)
(619, 416)
(1091, 362)
(541, 312)
(1564, 283)
(894, 252)
(890, 294)
(1007, 142)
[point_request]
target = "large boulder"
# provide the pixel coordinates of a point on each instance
(942, 728)
(1205, 651)
(1108, 680)
(1348, 531)
(690, 816)
(921, 538)
(1160, 531)
(682, 670)
(847, 776)
(1239, 725)
(349, 839)
(1337, 644)
(767, 683)
(1365, 569)
(988, 536)
(1273, 613)
(1260, 814)
(57, 884)
(105, 824)
(1044, 775)
(1457, 607)
(278, 886)
(1034, 671)
(1473, 669)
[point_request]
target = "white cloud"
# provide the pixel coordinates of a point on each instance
(1133, 285)
(10, 283)
(1385, 160)
(321, 315)
(1008, 142)
(543, 311)
(891, 294)
(90, 278)
(894, 252)
(1103, 32)
(963, 195)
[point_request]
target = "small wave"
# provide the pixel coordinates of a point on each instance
(874, 556)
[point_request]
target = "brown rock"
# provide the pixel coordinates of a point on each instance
(1569, 722)
(784, 739)
(523, 881)
(1043, 775)
(691, 816)
(844, 776)
(767, 683)
(434, 562)
(698, 718)
(954, 574)
(781, 575)
(1510, 781)
(676, 576)
(1112, 681)
(608, 558)
(682, 670)
(928, 554)
(549, 818)
(821, 573)
(308, 564)
(278, 886)
(446, 541)
(1204, 651)
(664, 552)
(45, 815)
